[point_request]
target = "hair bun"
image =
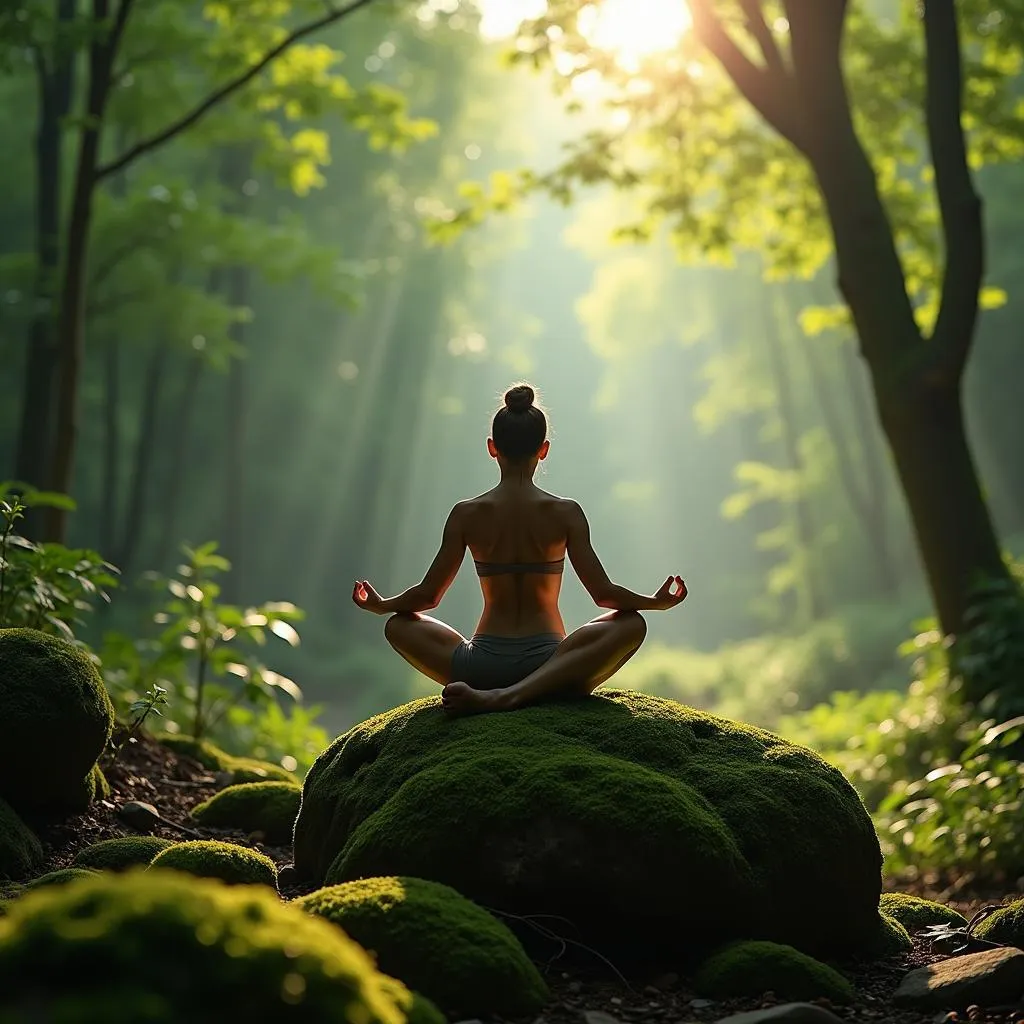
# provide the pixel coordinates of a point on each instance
(520, 398)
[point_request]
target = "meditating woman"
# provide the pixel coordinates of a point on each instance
(519, 536)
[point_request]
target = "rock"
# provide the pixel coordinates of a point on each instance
(224, 953)
(227, 862)
(436, 942)
(988, 978)
(63, 877)
(139, 815)
(593, 810)
(269, 808)
(1005, 926)
(120, 854)
(55, 722)
(756, 968)
(599, 1017)
(236, 769)
(891, 938)
(785, 1013)
(21, 853)
(701, 1004)
(915, 913)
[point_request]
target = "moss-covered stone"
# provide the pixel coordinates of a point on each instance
(267, 807)
(162, 948)
(1005, 926)
(55, 722)
(10, 890)
(628, 814)
(891, 938)
(752, 968)
(62, 877)
(120, 854)
(211, 757)
(227, 862)
(418, 1009)
(437, 942)
(915, 913)
(21, 853)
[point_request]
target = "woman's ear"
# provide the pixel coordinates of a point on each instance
(544, 449)
(492, 448)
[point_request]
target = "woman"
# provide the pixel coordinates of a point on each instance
(519, 536)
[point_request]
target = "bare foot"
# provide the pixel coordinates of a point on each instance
(462, 699)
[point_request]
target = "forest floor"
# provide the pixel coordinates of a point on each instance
(146, 771)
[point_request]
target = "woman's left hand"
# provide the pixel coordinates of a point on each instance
(367, 598)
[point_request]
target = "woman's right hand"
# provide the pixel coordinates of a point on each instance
(672, 592)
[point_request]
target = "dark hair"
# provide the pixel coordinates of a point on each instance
(519, 427)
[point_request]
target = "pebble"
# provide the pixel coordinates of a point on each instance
(598, 1017)
(785, 1013)
(987, 978)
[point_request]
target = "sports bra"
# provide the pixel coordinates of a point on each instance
(501, 568)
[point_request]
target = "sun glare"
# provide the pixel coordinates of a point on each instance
(629, 29)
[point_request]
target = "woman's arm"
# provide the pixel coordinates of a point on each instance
(596, 582)
(428, 592)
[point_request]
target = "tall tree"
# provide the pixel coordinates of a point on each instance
(836, 85)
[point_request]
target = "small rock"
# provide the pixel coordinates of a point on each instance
(987, 978)
(223, 779)
(140, 816)
(785, 1013)
(946, 1017)
(598, 1017)
(701, 1004)
(975, 1013)
(575, 987)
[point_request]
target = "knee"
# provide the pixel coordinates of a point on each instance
(395, 627)
(635, 626)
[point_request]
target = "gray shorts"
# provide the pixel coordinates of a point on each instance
(489, 662)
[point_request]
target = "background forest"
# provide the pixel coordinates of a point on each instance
(290, 359)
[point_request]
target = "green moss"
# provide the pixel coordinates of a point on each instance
(62, 877)
(752, 968)
(593, 810)
(416, 1008)
(10, 890)
(267, 807)
(915, 913)
(1005, 926)
(212, 758)
(208, 858)
(158, 947)
(21, 853)
(437, 942)
(120, 854)
(891, 938)
(55, 722)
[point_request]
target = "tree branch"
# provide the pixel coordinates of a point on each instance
(758, 28)
(959, 203)
(767, 91)
(185, 122)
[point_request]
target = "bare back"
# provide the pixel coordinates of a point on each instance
(517, 524)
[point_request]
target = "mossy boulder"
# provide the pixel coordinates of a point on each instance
(890, 939)
(267, 807)
(644, 822)
(21, 853)
(753, 968)
(65, 876)
(120, 854)
(162, 948)
(207, 858)
(1005, 926)
(418, 1009)
(212, 758)
(915, 913)
(55, 722)
(437, 942)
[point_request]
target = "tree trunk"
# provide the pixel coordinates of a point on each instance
(138, 491)
(31, 462)
(111, 446)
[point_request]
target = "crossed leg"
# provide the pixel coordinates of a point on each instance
(425, 642)
(584, 659)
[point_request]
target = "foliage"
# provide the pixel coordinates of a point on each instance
(139, 710)
(205, 653)
(943, 778)
(48, 587)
